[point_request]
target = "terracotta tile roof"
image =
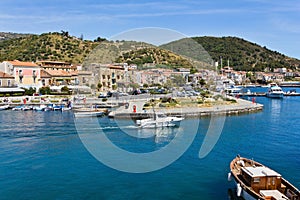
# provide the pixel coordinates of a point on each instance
(5, 75)
(58, 73)
(44, 74)
(74, 73)
(25, 64)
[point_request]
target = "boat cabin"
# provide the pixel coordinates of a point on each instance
(264, 181)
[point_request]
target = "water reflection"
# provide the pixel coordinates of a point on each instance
(275, 109)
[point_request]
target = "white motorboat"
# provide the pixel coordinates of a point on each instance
(274, 91)
(66, 108)
(89, 112)
(39, 108)
(4, 107)
(159, 120)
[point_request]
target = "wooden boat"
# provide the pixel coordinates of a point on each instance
(256, 181)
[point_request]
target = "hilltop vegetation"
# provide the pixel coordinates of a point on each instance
(154, 56)
(242, 55)
(49, 46)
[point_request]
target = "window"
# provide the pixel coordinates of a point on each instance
(0, 82)
(8, 83)
(256, 180)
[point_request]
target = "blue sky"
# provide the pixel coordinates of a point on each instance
(271, 23)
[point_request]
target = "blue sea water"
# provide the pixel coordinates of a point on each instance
(42, 156)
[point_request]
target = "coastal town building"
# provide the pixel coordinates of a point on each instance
(6, 80)
(26, 74)
(107, 77)
(56, 65)
(58, 73)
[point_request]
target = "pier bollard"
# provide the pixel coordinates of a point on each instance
(134, 108)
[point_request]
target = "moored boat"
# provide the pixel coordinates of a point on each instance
(274, 91)
(4, 107)
(89, 112)
(256, 181)
(159, 120)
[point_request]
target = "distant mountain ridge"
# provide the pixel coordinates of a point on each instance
(242, 54)
(9, 35)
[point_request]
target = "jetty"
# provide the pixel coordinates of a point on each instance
(134, 110)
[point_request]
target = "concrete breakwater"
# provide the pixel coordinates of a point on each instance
(242, 106)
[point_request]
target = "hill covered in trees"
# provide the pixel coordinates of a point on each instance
(48, 46)
(242, 54)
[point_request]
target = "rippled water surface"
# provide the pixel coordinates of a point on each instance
(42, 156)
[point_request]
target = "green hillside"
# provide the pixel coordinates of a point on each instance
(242, 55)
(245, 55)
(48, 46)
(154, 56)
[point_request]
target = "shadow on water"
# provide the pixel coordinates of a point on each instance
(232, 195)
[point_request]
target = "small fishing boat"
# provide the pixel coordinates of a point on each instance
(66, 109)
(256, 181)
(159, 120)
(39, 108)
(274, 91)
(26, 108)
(89, 112)
(4, 107)
(18, 108)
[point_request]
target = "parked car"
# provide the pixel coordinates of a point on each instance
(136, 92)
(102, 95)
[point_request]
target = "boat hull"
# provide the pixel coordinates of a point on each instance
(88, 114)
(5, 107)
(160, 122)
(275, 95)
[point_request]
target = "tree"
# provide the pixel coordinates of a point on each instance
(202, 82)
(29, 91)
(193, 70)
(99, 39)
(65, 33)
(178, 80)
(145, 85)
(114, 87)
(64, 89)
(44, 90)
(169, 84)
(99, 86)
(134, 85)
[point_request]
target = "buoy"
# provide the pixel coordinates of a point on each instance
(229, 176)
(239, 190)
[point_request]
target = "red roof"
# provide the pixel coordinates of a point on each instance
(23, 64)
(60, 73)
(44, 74)
(5, 75)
